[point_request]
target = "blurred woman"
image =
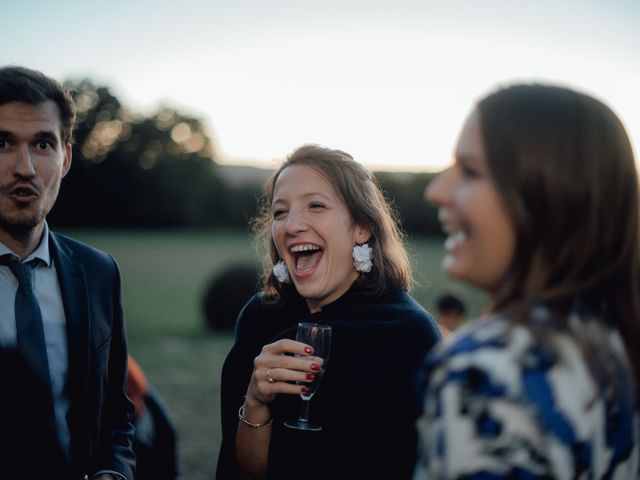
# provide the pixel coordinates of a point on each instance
(541, 211)
(334, 256)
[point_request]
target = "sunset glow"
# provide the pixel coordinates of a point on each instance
(388, 82)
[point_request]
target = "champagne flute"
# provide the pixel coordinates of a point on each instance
(318, 337)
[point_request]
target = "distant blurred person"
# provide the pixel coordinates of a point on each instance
(450, 313)
(155, 443)
(59, 299)
(541, 208)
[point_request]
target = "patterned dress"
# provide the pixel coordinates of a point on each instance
(500, 403)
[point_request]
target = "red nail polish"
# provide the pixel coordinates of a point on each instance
(308, 350)
(310, 376)
(304, 389)
(315, 367)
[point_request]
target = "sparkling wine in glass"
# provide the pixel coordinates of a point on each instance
(318, 337)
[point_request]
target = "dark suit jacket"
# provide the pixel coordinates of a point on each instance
(29, 445)
(101, 414)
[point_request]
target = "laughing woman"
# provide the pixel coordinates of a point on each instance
(541, 208)
(335, 256)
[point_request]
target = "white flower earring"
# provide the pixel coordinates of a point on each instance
(281, 273)
(362, 255)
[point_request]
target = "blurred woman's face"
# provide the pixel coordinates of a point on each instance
(481, 238)
(314, 234)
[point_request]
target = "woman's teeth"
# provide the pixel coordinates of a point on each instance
(304, 248)
(454, 239)
(306, 256)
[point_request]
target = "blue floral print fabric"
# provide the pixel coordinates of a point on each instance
(502, 402)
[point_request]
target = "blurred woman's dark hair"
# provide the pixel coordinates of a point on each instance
(450, 303)
(564, 167)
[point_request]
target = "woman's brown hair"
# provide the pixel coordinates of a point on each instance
(564, 166)
(368, 209)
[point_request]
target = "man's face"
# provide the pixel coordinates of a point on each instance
(33, 160)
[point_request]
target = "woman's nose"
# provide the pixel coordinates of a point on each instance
(438, 190)
(296, 222)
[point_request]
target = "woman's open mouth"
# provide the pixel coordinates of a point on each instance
(306, 256)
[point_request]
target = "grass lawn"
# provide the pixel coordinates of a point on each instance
(164, 276)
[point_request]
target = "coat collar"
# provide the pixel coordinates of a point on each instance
(73, 288)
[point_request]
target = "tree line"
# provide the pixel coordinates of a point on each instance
(160, 171)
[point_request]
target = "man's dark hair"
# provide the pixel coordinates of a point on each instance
(20, 84)
(449, 303)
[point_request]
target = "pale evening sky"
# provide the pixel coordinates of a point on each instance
(388, 81)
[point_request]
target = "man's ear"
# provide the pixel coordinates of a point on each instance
(68, 155)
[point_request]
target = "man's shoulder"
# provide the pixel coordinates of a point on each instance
(80, 251)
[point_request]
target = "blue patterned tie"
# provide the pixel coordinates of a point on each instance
(29, 329)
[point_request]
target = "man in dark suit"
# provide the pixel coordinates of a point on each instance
(60, 301)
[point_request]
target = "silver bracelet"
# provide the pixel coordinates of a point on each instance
(257, 426)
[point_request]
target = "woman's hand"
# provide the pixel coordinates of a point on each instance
(274, 372)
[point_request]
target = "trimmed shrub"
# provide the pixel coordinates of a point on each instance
(227, 293)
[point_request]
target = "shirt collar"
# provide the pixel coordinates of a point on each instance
(41, 252)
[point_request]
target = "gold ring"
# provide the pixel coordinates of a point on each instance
(269, 379)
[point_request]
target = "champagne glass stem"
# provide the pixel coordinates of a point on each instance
(304, 411)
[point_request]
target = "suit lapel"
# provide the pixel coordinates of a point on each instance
(73, 288)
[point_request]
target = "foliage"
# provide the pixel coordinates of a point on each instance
(405, 192)
(227, 293)
(131, 170)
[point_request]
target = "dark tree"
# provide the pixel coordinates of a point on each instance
(227, 293)
(131, 170)
(405, 191)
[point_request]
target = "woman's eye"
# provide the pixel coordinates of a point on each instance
(316, 206)
(278, 213)
(469, 172)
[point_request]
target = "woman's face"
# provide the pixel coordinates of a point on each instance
(314, 234)
(481, 238)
